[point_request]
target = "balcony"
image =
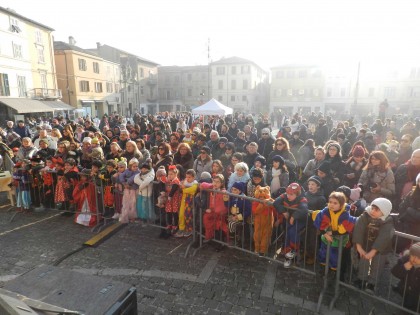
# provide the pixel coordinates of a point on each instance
(44, 94)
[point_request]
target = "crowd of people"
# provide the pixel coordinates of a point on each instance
(350, 179)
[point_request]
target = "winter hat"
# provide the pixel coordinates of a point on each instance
(336, 145)
(44, 141)
(345, 190)
(355, 194)
(257, 172)
(15, 149)
(415, 249)
(358, 151)
(239, 185)
(161, 171)
(95, 141)
(205, 175)
(260, 159)
(122, 163)
(294, 189)
(278, 158)
(230, 145)
(206, 148)
(146, 166)
(316, 180)
(325, 167)
(223, 140)
(265, 130)
(87, 139)
(383, 204)
(133, 161)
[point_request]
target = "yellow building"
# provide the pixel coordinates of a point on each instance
(87, 80)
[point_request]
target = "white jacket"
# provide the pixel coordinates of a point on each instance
(145, 183)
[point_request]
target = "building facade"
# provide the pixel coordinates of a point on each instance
(27, 68)
(240, 84)
(182, 88)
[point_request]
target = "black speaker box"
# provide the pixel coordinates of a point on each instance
(75, 291)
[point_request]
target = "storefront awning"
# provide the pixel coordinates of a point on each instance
(58, 105)
(25, 105)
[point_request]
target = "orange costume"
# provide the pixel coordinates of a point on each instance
(263, 220)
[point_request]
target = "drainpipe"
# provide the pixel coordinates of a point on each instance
(67, 77)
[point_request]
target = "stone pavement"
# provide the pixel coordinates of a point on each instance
(228, 282)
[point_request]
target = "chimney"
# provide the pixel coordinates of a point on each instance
(72, 41)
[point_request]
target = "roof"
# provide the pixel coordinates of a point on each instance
(292, 65)
(127, 53)
(234, 60)
(12, 12)
(25, 105)
(58, 45)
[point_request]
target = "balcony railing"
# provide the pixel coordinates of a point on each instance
(44, 94)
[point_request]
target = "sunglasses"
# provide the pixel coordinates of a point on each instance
(203, 152)
(265, 134)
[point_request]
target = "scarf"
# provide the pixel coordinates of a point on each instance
(275, 182)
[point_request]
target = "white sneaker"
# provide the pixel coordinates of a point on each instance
(179, 234)
(290, 255)
(287, 263)
(116, 216)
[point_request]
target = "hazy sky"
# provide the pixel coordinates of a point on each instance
(269, 32)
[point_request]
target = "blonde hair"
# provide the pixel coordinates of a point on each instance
(241, 166)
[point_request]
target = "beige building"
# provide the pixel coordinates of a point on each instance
(182, 88)
(89, 82)
(27, 69)
(297, 88)
(240, 84)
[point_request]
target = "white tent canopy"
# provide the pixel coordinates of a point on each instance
(212, 107)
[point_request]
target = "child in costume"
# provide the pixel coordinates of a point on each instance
(263, 219)
(84, 195)
(22, 184)
(240, 211)
(129, 211)
(173, 191)
(61, 185)
(372, 238)
(108, 189)
(118, 187)
(292, 208)
(48, 184)
(332, 221)
(215, 216)
(145, 209)
(189, 187)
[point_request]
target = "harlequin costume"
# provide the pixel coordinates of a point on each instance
(174, 200)
(48, 186)
(186, 209)
(216, 220)
(263, 219)
(340, 223)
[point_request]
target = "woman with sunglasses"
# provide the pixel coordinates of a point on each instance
(163, 156)
(204, 162)
(281, 147)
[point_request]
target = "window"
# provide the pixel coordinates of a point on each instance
(109, 87)
(4, 85)
(279, 74)
(141, 90)
(38, 37)
(21, 86)
(371, 92)
(290, 74)
(329, 92)
(84, 86)
(96, 67)
(232, 98)
(17, 51)
(220, 98)
(315, 92)
(245, 69)
(117, 87)
(289, 92)
(220, 85)
(414, 92)
(40, 51)
(278, 92)
(245, 85)
(14, 25)
(168, 95)
(389, 92)
(233, 85)
(301, 92)
(82, 64)
(302, 74)
(220, 70)
(189, 77)
(176, 79)
(244, 98)
(189, 92)
(342, 92)
(43, 77)
(233, 70)
(141, 73)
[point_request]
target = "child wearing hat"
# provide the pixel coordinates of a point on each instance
(106, 178)
(239, 212)
(189, 188)
(354, 166)
(407, 270)
(277, 176)
(128, 210)
(84, 195)
(372, 239)
(292, 211)
(144, 205)
(118, 187)
(240, 174)
(22, 183)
